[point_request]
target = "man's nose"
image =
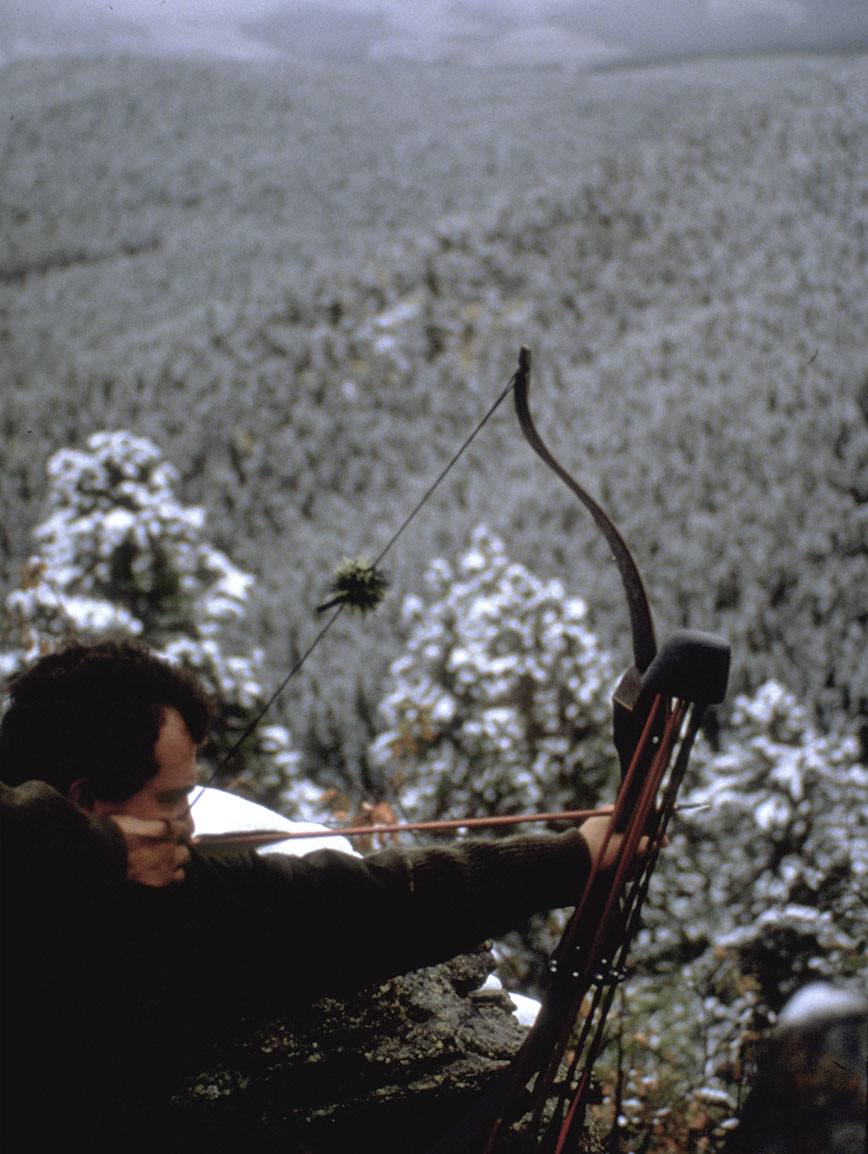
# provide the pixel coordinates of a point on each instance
(184, 819)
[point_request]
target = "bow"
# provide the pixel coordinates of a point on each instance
(658, 708)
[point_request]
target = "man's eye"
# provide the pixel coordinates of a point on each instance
(174, 798)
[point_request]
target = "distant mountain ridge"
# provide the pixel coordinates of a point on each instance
(436, 32)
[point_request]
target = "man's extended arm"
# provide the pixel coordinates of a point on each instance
(327, 922)
(296, 926)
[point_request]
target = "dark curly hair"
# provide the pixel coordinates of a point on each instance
(94, 712)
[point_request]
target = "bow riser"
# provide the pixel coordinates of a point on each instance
(595, 944)
(624, 924)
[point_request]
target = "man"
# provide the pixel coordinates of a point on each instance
(124, 950)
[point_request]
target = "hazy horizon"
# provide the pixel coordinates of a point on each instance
(491, 32)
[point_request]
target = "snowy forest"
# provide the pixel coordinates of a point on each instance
(249, 312)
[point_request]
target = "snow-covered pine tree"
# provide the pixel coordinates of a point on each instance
(118, 555)
(777, 868)
(760, 894)
(500, 702)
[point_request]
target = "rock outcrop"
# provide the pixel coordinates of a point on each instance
(397, 1065)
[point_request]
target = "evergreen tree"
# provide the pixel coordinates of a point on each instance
(755, 897)
(500, 702)
(119, 555)
(776, 870)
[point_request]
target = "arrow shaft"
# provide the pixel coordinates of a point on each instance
(246, 839)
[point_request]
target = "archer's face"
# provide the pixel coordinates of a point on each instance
(167, 795)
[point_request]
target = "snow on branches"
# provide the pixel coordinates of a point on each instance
(758, 895)
(120, 555)
(501, 698)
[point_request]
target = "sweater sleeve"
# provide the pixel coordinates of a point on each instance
(47, 842)
(328, 921)
(457, 897)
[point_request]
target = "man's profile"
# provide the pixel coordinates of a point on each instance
(124, 950)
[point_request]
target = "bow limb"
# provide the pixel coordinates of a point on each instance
(629, 716)
(641, 621)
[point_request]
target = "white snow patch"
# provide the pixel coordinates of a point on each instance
(526, 1009)
(820, 1000)
(399, 313)
(215, 811)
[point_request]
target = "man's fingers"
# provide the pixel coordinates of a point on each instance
(157, 830)
(157, 854)
(182, 859)
(605, 846)
(172, 831)
(139, 827)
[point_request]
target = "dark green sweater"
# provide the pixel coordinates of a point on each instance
(111, 989)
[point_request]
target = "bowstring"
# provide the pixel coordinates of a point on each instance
(251, 726)
(446, 469)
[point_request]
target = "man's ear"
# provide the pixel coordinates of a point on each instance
(81, 793)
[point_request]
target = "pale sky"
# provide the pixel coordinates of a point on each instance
(588, 30)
